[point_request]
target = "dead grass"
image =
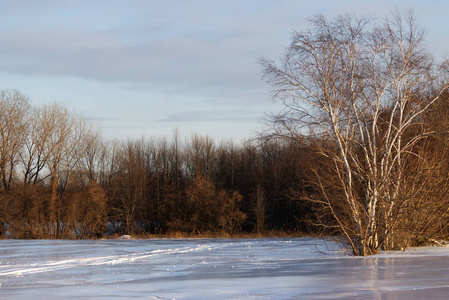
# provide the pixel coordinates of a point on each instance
(220, 235)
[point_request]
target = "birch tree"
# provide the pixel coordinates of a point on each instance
(362, 86)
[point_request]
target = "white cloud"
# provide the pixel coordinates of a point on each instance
(158, 55)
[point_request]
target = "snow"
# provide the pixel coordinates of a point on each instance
(282, 268)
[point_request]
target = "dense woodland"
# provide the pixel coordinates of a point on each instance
(60, 179)
(361, 152)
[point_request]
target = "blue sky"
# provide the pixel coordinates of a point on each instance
(142, 68)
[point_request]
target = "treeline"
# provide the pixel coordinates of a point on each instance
(60, 179)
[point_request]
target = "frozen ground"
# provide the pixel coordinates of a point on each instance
(293, 268)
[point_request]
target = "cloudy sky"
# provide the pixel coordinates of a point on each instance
(144, 67)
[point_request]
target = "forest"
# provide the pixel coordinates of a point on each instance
(361, 152)
(60, 179)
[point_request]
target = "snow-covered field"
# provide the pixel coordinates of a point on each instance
(284, 268)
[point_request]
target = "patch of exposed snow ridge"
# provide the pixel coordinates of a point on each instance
(125, 237)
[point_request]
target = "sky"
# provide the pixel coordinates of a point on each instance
(141, 68)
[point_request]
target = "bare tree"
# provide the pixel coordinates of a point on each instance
(130, 188)
(14, 126)
(34, 156)
(200, 155)
(363, 87)
(69, 137)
